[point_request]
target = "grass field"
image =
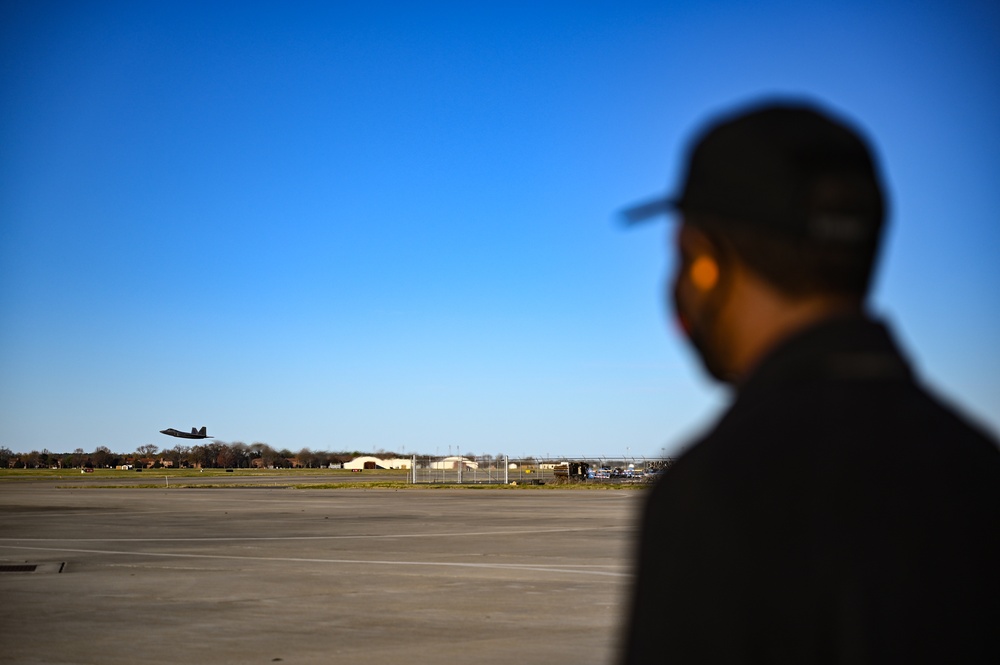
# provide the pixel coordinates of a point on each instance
(194, 473)
(311, 479)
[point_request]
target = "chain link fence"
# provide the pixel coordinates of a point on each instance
(496, 470)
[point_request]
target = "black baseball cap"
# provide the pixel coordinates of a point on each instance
(787, 168)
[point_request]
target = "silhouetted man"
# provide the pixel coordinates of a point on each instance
(837, 512)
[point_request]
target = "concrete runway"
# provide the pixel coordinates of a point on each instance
(266, 575)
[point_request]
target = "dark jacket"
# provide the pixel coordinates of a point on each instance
(837, 513)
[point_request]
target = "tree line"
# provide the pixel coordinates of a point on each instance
(212, 454)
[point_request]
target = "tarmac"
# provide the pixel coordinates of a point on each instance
(347, 575)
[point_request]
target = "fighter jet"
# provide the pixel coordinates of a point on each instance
(195, 433)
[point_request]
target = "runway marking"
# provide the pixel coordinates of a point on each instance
(371, 562)
(519, 532)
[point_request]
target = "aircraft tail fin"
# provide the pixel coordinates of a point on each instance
(203, 431)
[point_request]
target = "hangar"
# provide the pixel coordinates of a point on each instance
(454, 462)
(370, 462)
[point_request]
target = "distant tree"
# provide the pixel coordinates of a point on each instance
(228, 456)
(339, 458)
(147, 450)
(272, 458)
(75, 459)
(217, 453)
(201, 455)
(102, 457)
(192, 456)
(242, 452)
(308, 458)
(215, 449)
(233, 455)
(6, 457)
(267, 455)
(178, 455)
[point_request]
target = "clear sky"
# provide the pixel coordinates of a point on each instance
(364, 225)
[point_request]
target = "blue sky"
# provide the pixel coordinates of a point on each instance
(392, 225)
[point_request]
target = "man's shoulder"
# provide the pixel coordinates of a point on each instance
(833, 427)
(822, 418)
(843, 374)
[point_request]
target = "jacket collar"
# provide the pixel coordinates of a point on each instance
(843, 348)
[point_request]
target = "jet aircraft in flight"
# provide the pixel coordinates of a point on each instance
(195, 433)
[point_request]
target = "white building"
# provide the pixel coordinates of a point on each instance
(369, 462)
(454, 462)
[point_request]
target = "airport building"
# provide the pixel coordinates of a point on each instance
(370, 462)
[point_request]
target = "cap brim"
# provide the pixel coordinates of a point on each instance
(646, 211)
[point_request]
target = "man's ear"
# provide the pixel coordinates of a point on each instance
(704, 272)
(701, 258)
